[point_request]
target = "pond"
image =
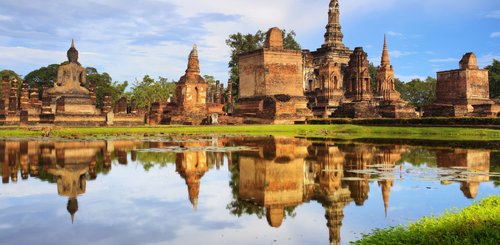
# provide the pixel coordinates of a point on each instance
(227, 190)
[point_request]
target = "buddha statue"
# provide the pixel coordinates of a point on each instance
(71, 77)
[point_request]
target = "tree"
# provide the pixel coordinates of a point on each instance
(209, 79)
(47, 76)
(12, 75)
(104, 85)
(494, 78)
(419, 93)
(242, 43)
(44, 76)
(149, 91)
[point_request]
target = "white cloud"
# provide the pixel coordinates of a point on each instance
(5, 18)
(495, 34)
(494, 14)
(395, 34)
(131, 38)
(487, 59)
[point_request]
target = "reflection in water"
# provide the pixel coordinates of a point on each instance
(271, 180)
(471, 160)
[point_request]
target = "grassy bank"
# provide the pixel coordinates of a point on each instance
(347, 132)
(476, 224)
(471, 122)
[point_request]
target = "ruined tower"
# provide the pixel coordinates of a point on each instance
(333, 35)
(271, 89)
(358, 77)
(191, 88)
(385, 88)
(463, 92)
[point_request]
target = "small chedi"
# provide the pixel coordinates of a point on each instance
(463, 92)
(390, 103)
(271, 84)
(70, 102)
(190, 105)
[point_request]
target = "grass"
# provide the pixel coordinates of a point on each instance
(476, 224)
(347, 132)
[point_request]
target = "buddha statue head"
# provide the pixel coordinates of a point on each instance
(72, 53)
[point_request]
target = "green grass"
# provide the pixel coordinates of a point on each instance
(476, 224)
(346, 131)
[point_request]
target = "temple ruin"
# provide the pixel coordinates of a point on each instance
(463, 92)
(196, 102)
(276, 86)
(70, 102)
(271, 84)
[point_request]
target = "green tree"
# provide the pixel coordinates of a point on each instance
(12, 74)
(209, 79)
(242, 43)
(494, 77)
(149, 91)
(104, 85)
(44, 76)
(419, 93)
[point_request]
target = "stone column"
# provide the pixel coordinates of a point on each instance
(5, 91)
(222, 97)
(13, 98)
(34, 100)
(217, 92)
(106, 108)
(25, 100)
(230, 92)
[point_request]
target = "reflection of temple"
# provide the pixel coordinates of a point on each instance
(192, 166)
(358, 157)
(331, 192)
(66, 163)
(285, 173)
(387, 156)
(273, 176)
(472, 160)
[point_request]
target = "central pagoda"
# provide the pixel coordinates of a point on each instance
(324, 68)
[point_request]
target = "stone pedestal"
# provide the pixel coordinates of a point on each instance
(276, 109)
(75, 105)
(486, 110)
(362, 109)
(396, 109)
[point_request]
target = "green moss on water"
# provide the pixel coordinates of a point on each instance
(324, 131)
(476, 224)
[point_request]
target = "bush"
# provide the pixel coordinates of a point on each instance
(476, 224)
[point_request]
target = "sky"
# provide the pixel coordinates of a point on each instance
(129, 39)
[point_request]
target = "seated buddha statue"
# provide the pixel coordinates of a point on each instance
(71, 77)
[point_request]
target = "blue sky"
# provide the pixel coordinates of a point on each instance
(129, 39)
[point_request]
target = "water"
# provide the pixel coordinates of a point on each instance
(239, 190)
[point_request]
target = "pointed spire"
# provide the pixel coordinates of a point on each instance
(333, 35)
(72, 42)
(194, 52)
(385, 54)
(193, 62)
(72, 218)
(386, 193)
